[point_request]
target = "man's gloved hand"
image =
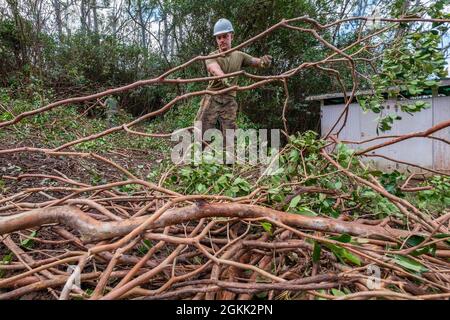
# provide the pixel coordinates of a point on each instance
(266, 61)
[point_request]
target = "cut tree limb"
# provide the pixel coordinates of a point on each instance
(93, 230)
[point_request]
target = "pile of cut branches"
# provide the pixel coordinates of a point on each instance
(326, 225)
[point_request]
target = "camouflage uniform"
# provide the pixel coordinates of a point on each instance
(213, 108)
(222, 107)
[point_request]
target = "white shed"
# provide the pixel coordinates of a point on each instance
(423, 152)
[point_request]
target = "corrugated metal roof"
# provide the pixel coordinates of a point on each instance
(444, 82)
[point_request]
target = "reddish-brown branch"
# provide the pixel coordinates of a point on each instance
(92, 229)
(425, 133)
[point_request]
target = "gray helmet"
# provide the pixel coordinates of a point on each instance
(223, 26)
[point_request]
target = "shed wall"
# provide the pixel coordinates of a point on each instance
(428, 153)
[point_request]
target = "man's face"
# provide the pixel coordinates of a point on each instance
(224, 41)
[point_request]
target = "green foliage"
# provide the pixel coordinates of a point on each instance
(438, 197)
(129, 188)
(416, 240)
(2, 185)
(343, 254)
(337, 293)
(409, 264)
(146, 245)
(345, 155)
(6, 259)
(28, 243)
(267, 227)
(412, 65)
(209, 178)
(316, 252)
(302, 153)
(391, 182)
(385, 123)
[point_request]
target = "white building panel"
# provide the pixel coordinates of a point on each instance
(441, 150)
(423, 152)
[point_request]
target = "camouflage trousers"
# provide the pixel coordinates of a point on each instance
(217, 108)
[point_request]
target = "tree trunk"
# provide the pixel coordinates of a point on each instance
(94, 15)
(83, 15)
(57, 8)
(165, 35)
(142, 24)
(22, 57)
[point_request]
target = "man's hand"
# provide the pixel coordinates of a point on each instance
(265, 61)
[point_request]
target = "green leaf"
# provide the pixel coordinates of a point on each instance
(294, 202)
(274, 190)
(261, 295)
(201, 188)
(414, 240)
(337, 293)
(322, 197)
(409, 264)
(277, 172)
(7, 258)
(316, 252)
(306, 212)
(197, 260)
(346, 238)
(222, 179)
(146, 245)
(267, 227)
(342, 254)
(245, 187)
(238, 181)
(294, 155)
(234, 189)
(186, 172)
(347, 291)
(362, 103)
(28, 243)
(430, 249)
(376, 173)
(369, 194)
(351, 257)
(431, 83)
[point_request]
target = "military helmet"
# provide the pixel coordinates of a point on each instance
(223, 26)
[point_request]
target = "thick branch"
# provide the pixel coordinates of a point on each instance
(92, 230)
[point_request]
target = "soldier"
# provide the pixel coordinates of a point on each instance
(112, 109)
(223, 107)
